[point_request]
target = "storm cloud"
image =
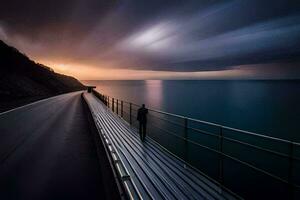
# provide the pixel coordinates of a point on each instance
(169, 35)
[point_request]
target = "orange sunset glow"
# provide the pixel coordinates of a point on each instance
(88, 72)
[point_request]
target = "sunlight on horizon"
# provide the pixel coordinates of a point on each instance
(98, 73)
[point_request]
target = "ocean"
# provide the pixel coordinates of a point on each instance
(268, 107)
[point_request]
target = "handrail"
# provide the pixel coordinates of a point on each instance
(207, 123)
(187, 125)
(225, 127)
(166, 120)
(218, 125)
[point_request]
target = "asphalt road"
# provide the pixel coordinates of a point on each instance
(47, 151)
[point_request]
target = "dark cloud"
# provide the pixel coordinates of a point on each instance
(174, 35)
(32, 15)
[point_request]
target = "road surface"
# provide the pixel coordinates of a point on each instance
(47, 151)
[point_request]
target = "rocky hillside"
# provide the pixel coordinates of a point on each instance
(22, 80)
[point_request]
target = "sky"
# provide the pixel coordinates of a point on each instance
(158, 39)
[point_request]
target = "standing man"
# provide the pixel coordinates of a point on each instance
(142, 118)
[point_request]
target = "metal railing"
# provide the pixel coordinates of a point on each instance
(226, 155)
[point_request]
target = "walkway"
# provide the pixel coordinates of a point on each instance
(147, 170)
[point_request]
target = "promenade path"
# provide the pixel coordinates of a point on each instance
(147, 170)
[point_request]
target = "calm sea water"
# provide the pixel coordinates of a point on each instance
(265, 107)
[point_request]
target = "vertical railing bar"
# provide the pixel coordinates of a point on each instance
(117, 106)
(290, 175)
(113, 104)
(130, 113)
(221, 169)
(121, 108)
(185, 139)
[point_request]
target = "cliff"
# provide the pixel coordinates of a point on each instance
(22, 80)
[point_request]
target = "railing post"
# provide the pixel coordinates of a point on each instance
(130, 115)
(117, 106)
(121, 108)
(221, 170)
(185, 139)
(290, 176)
(113, 104)
(108, 101)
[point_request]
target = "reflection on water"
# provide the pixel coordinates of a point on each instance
(153, 93)
(266, 107)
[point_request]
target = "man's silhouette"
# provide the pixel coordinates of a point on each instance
(142, 118)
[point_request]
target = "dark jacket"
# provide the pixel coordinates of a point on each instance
(142, 115)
